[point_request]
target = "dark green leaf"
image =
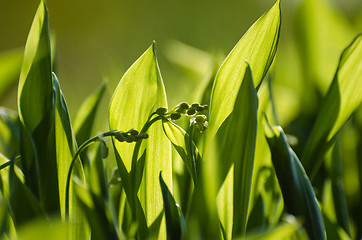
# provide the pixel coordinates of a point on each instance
(298, 194)
(173, 224)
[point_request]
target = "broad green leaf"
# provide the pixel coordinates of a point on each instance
(35, 83)
(84, 120)
(10, 62)
(342, 99)
(257, 47)
(65, 148)
(236, 140)
(173, 222)
(139, 93)
(298, 194)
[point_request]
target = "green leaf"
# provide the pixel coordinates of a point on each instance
(35, 106)
(35, 84)
(339, 199)
(139, 93)
(10, 133)
(24, 205)
(257, 47)
(84, 120)
(236, 138)
(44, 229)
(173, 223)
(65, 148)
(298, 194)
(95, 210)
(181, 142)
(284, 230)
(342, 99)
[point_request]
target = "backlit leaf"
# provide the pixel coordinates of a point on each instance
(236, 140)
(139, 93)
(342, 99)
(257, 47)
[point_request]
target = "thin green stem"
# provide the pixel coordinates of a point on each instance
(80, 149)
(134, 164)
(8, 163)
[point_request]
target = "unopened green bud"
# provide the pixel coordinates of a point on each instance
(131, 138)
(180, 110)
(120, 136)
(200, 118)
(141, 136)
(201, 127)
(116, 177)
(195, 105)
(104, 149)
(175, 116)
(200, 109)
(183, 106)
(191, 112)
(205, 107)
(161, 110)
(132, 132)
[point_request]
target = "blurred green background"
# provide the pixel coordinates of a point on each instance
(99, 40)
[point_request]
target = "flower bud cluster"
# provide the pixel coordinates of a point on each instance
(130, 136)
(198, 120)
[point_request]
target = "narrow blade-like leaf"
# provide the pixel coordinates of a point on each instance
(173, 223)
(237, 139)
(65, 148)
(85, 118)
(342, 99)
(35, 106)
(258, 47)
(35, 84)
(298, 194)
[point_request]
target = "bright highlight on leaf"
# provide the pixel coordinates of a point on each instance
(257, 47)
(139, 93)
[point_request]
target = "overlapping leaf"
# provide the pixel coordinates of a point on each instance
(258, 47)
(237, 137)
(35, 106)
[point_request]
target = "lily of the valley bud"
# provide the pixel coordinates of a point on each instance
(200, 118)
(191, 112)
(161, 110)
(132, 132)
(175, 116)
(199, 123)
(205, 107)
(104, 149)
(141, 136)
(120, 136)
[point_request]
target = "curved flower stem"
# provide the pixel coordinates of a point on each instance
(133, 196)
(80, 149)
